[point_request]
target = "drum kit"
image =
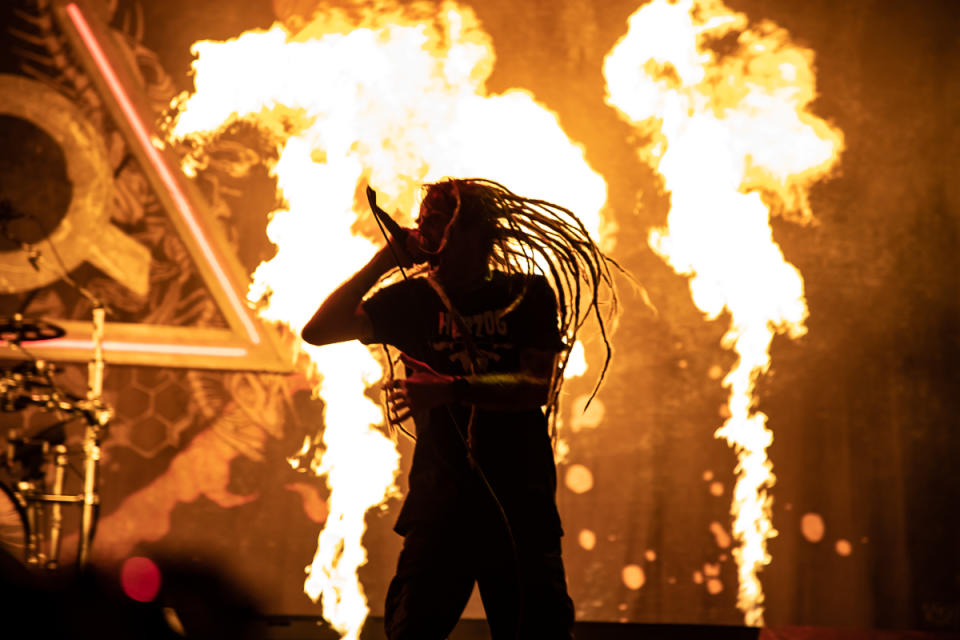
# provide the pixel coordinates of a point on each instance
(36, 462)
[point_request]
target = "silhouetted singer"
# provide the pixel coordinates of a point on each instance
(499, 286)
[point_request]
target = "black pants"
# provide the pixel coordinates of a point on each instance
(524, 593)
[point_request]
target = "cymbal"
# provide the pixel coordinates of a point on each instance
(20, 329)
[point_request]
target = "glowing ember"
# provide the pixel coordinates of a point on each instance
(394, 101)
(730, 135)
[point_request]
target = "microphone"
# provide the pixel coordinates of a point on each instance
(401, 235)
(398, 233)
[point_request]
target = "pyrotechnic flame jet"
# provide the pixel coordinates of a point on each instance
(392, 101)
(731, 135)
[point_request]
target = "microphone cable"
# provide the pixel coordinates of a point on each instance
(474, 463)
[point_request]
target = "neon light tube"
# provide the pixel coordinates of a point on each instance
(139, 347)
(161, 167)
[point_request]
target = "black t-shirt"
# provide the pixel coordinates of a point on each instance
(512, 447)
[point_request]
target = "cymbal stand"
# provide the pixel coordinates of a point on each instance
(56, 510)
(91, 440)
(43, 550)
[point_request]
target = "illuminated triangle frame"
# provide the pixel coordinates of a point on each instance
(248, 343)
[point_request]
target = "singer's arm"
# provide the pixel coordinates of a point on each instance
(341, 317)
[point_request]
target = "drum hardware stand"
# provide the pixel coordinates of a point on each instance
(41, 550)
(91, 439)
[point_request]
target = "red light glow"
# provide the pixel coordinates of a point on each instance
(140, 579)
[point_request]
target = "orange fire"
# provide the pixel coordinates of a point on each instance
(394, 100)
(731, 135)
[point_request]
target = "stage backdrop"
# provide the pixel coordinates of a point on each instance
(863, 407)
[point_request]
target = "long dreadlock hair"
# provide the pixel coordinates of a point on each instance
(527, 236)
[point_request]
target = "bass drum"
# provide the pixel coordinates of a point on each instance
(14, 531)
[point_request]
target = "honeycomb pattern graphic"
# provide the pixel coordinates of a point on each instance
(153, 407)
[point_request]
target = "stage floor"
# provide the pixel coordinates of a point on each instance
(302, 628)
